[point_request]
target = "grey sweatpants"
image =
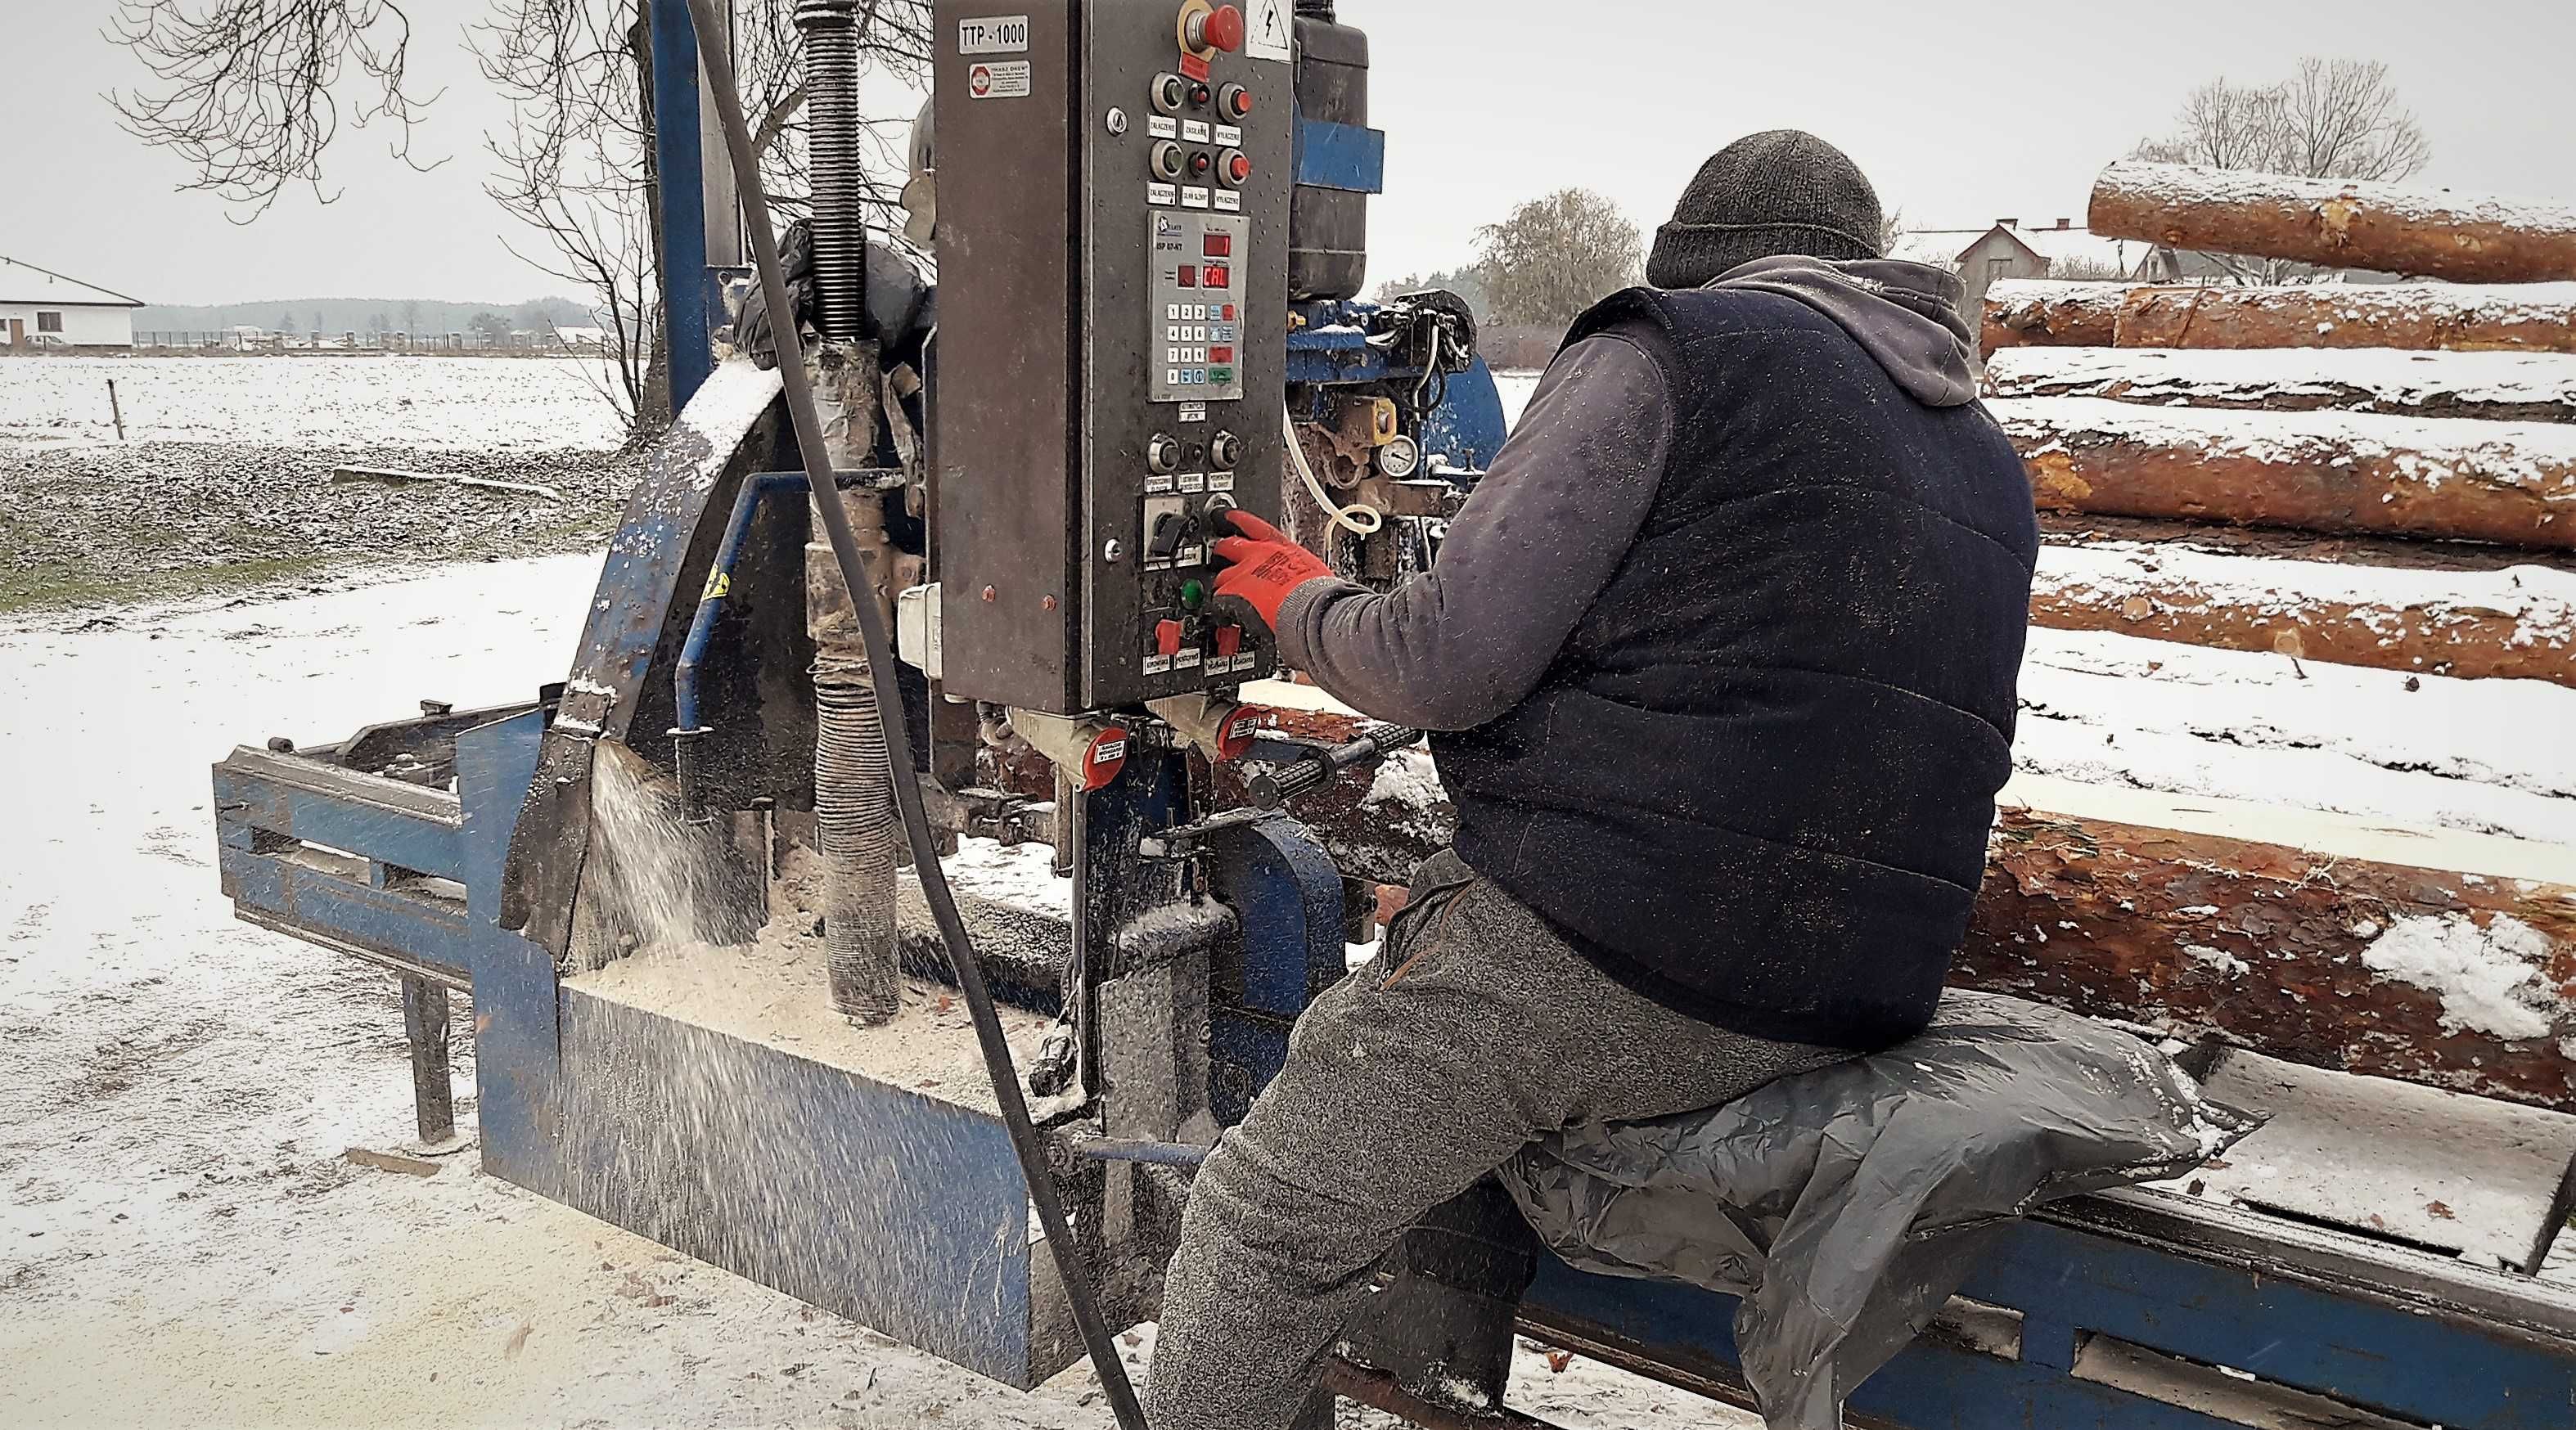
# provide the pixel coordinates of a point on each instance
(1474, 1032)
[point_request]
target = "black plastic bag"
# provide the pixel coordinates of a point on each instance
(1845, 1205)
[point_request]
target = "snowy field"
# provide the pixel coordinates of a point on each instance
(228, 477)
(421, 403)
(181, 1241)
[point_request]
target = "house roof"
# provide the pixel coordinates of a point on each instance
(23, 282)
(2058, 245)
(1939, 247)
(1945, 247)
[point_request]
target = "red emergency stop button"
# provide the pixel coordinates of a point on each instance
(1167, 638)
(1104, 759)
(1223, 30)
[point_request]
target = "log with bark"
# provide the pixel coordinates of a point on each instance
(2035, 311)
(2337, 223)
(2062, 528)
(2439, 958)
(2515, 624)
(2507, 482)
(2490, 386)
(2539, 317)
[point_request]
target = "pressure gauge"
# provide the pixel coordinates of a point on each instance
(1401, 457)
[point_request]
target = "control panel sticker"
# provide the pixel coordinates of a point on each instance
(1194, 412)
(1003, 79)
(1162, 195)
(1228, 201)
(1269, 32)
(996, 35)
(1229, 136)
(1195, 130)
(1163, 126)
(1194, 198)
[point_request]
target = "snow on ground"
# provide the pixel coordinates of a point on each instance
(1516, 388)
(234, 458)
(180, 1239)
(421, 403)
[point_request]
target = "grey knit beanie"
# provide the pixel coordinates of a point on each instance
(1781, 191)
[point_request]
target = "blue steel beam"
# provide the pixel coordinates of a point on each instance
(688, 333)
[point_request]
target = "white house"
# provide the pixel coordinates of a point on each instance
(40, 308)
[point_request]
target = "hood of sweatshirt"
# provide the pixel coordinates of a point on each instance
(1905, 315)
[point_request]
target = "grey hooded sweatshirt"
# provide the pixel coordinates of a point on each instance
(1460, 644)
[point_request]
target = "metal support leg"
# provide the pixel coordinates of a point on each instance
(425, 1024)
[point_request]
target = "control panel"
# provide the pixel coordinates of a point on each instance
(1114, 181)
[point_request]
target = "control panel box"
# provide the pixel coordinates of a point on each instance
(1111, 362)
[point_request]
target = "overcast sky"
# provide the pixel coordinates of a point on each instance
(1962, 113)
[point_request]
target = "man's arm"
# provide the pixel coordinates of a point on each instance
(1455, 646)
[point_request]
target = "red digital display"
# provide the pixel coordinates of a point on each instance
(1218, 275)
(1190, 276)
(1220, 245)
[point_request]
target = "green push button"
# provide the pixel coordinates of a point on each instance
(1193, 595)
(1221, 376)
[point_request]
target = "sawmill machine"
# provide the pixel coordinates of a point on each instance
(708, 1007)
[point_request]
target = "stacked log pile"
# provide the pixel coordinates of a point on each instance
(2401, 463)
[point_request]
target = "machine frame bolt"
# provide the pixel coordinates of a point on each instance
(991, 594)
(1114, 552)
(1117, 120)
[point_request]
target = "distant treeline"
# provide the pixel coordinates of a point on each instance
(365, 315)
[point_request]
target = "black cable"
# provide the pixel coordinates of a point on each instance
(714, 53)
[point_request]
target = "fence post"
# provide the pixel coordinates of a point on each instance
(114, 410)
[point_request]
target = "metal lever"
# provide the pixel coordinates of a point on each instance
(1278, 787)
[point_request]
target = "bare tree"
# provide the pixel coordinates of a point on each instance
(1557, 256)
(251, 96)
(576, 163)
(249, 91)
(2332, 119)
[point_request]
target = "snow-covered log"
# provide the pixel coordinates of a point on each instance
(2516, 624)
(2507, 482)
(2493, 386)
(2536, 317)
(2337, 223)
(2450, 317)
(2436, 957)
(2037, 311)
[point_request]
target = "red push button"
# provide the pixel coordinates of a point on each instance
(1229, 312)
(1239, 168)
(1219, 276)
(1229, 640)
(1167, 638)
(1221, 355)
(1220, 245)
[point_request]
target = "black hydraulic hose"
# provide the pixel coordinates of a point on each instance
(714, 52)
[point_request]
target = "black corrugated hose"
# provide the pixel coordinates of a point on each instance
(714, 52)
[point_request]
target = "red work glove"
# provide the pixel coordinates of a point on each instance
(1266, 566)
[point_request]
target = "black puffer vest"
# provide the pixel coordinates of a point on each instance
(1758, 784)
